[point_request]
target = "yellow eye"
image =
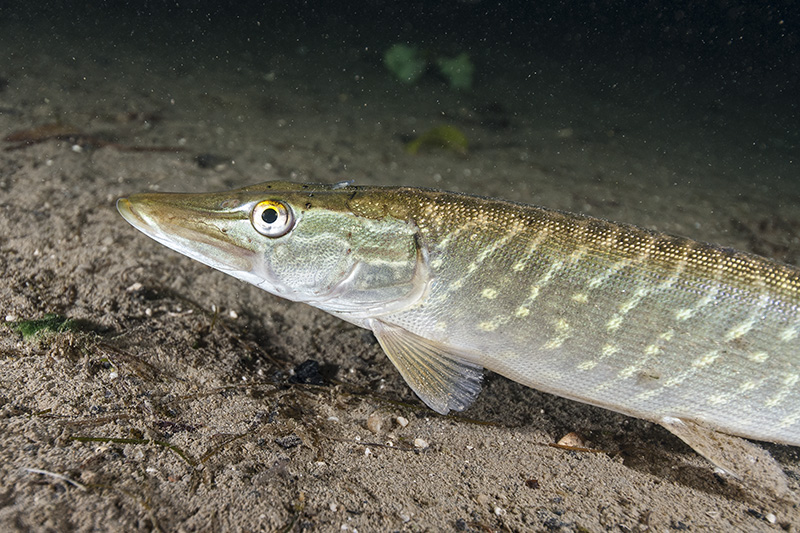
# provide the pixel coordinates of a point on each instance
(272, 218)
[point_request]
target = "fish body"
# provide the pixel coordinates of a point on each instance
(698, 338)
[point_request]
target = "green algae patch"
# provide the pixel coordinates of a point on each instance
(458, 70)
(49, 323)
(408, 64)
(405, 62)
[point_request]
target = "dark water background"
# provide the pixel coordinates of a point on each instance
(721, 74)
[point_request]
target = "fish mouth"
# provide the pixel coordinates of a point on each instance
(125, 208)
(195, 226)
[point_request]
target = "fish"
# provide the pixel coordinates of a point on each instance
(698, 338)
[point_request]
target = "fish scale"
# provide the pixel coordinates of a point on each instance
(661, 276)
(698, 338)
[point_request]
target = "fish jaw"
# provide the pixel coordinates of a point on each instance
(212, 229)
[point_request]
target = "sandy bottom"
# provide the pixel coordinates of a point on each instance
(174, 401)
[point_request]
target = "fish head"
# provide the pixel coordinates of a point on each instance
(352, 251)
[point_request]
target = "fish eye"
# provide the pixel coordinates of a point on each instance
(272, 218)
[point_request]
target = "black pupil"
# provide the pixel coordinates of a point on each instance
(269, 215)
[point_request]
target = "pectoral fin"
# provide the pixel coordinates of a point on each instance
(440, 376)
(737, 457)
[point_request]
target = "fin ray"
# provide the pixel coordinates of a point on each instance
(737, 457)
(439, 375)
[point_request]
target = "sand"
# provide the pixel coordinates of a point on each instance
(177, 398)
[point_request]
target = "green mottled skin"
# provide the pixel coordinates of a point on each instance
(631, 320)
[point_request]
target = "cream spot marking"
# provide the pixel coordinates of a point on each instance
(587, 365)
(706, 359)
(578, 254)
(614, 324)
(719, 399)
(602, 278)
(499, 243)
(580, 297)
(626, 308)
(445, 242)
(758, 357)
(653, 349)
(710, 297)
(524, 309)
(650, 351)
(747, 386)
(609, 350)
(788, 382)
(436, 263)
(555, 267)
(739, 331)
(638, 296)
(485, 253)
(520, 265)
(487, 326)
(697, 365)
(788, 334)
(744, 388)
(675, 277)
(789, 420)
(562, 334)
(489, 293)
(543, 281)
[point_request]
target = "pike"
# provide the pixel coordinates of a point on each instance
(695, 337)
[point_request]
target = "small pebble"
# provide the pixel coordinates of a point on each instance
(420, 443)
(482, 499)
(573, 440)
(401, 421)
(374, 422)
(135, 287)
